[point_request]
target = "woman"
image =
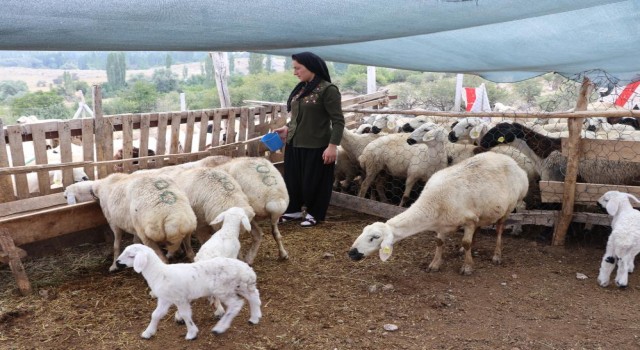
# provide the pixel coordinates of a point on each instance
(312, 137)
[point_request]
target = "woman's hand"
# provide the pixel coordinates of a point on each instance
(282, 132)
(330, 154)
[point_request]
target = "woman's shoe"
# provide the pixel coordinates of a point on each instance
(289, 217)
(309, 221)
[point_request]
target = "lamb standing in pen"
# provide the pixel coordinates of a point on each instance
(224, 243)
(178, 284)
(150, 206)
(624, 241)
(479, 191)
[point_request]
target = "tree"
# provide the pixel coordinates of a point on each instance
(268, 64)
(44, 105)
(116, 70)
(232, 63)
(288, 63)
(143, 96)
(164, 80)
(168, 61)
(208, 68)
(256, 63)
(11, 88)
(185, 72)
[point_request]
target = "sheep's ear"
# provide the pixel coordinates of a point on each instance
(218, 219)
(386, 247)
(139, 262)
(476, 131)
(633, 197)
(429, 136)
(612, 206)
(246, 223)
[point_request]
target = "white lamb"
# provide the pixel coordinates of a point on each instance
(225, 242)
(479, 191)
(624, 242)
(178, 284)
(150, 206)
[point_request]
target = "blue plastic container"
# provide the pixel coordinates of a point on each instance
(272, 141)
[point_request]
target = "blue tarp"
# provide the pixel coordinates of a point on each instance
(501, 40)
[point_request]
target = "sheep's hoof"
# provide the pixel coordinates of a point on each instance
(215, 332)
(114, 269)
(621, 286)
(191, 337)
(466, 270)
(146, 335)
(496, 260)
(603, 284)
(180, 321)
(284, 256)
(433, 268)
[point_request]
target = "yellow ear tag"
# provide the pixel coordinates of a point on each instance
(501, 139)
(386, 250)
(475, 134)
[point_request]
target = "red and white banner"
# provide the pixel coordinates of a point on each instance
(476, 99)
(626, 97)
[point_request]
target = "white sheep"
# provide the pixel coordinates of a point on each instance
(479, 191)
(394, 154)
(178, 284)
(264, 186)
(150, 206)
(624, 241)
(225, 242)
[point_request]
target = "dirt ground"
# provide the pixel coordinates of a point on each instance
(320, 299)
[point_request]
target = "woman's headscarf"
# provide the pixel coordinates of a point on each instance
(315, 65)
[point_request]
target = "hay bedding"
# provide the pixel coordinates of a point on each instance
(319, 299)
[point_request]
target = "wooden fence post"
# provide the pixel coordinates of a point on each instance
(13, 259)
(573, 158)
(100, 131)
(6, 185)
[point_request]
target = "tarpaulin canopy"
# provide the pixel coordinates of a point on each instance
(501, 40)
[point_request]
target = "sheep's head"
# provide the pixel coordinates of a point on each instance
(136, 256)
(471, 127)
(377, 236)
(79, 192)
(419, 134)
(414, 123)
(229, 214)
(501, 133)
(613, 201)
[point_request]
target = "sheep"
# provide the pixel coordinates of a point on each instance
(150, 206)
(394, 154)
(364, 129)
(607, 131)
(346, 170)
(267, 193)
(624, 241)
(178, 284)
(545, 154)
(225, 242)
(479, 191)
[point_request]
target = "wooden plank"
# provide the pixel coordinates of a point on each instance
(65, 153)
(231, 125)
(14, 133)
(88, 147)
(144, 139)
(616, 150)
(127, 142)
(31, 204)
(15, 264)
(6, 183)
(191, 118)
(50, 223)
(175, 133)
(242, 132)
(362, 98)
(101, 130)
(163, 119)
(40, 149)
(252, 148)
(573, 154)
(204, 124)
(366, 206)
(586, 193)
(217, 127)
